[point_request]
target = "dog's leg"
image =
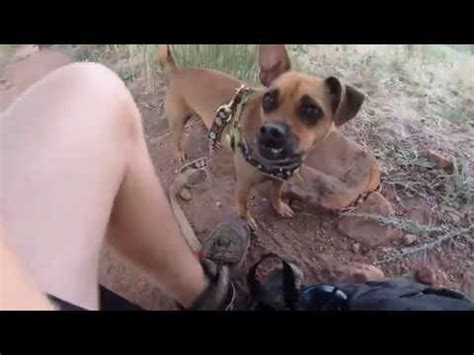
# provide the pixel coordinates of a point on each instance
(247, 177)
(278, 204)
(177, 114)
(242, 198)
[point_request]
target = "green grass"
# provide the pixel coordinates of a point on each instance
(132, 61)
(237, 60)
(140, 60)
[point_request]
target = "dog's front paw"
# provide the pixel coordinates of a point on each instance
(284, 210)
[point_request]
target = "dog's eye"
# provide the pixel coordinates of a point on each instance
(309, 112)
(270, 101)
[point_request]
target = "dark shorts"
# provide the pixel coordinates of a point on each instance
(108, 301)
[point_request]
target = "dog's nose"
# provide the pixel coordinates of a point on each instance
(275, 140)
(274, 133)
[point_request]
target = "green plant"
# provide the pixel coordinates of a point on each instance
(237, 60)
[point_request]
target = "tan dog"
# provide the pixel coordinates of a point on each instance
(339, 170)
(283, 123)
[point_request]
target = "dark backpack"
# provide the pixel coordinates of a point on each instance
(278, 291)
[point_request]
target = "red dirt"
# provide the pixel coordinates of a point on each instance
(311, 240)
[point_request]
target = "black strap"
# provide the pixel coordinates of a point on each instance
(290, 293)
(108, 300)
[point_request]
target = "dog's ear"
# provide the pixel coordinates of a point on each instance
(273, 61)
(346, 100)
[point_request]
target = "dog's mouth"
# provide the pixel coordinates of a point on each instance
(275, 144)
(273, 151)
(270, 155)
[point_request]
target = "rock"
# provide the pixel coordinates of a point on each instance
(425, 276)
(218, 204)
(444, 162)
(185, 194)
(356, 248)
(358, 272)
(409, 239)
(367, 231)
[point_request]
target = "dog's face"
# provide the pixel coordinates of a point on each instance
(299, 110)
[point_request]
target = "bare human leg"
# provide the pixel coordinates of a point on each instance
(75, 167)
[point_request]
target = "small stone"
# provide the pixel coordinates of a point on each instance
(356, 248)
(409, 239)
(218, 204)
(185, 194)
(425, 276)
(445, 162)
(358, 272)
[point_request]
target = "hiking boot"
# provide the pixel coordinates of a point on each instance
(225, 246)
(220, 292)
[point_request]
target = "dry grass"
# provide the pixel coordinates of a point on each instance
(417, 100)
(131, 61)
(436, 243)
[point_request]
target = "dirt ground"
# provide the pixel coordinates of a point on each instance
(311, 240)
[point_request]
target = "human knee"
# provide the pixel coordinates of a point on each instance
(102, 89)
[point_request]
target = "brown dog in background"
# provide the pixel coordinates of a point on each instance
(291, 118)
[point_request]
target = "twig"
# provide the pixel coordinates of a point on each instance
(423, 248)
(183, 222)
(404, 224)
